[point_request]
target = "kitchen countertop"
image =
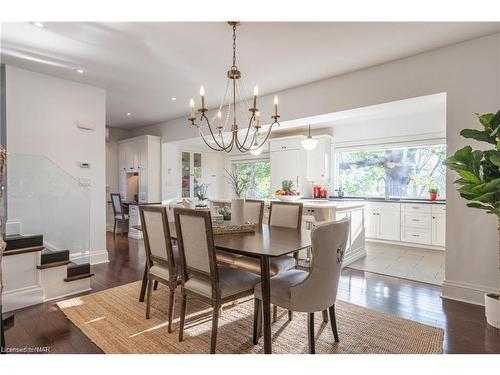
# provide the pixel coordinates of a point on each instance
(311, 203)
(388, 200)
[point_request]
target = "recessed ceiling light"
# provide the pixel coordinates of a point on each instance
(38, 24)
(80, 71)
(173, 98)
(129, 114)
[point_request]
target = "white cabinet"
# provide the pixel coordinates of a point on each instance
(382, 221)
(319, 160)
(287, 165)
(438, 225)
(139, 164)
(416, 223)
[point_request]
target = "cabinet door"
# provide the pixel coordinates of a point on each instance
(438, 229)
(142, 153)
(389, 225)
(122, 156)
(318, 162)
(185, 174)
(143, 185)
(285, 165)
(131, 154)
(371, 224)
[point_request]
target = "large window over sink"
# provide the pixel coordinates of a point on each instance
(258, 173)
(402, 172)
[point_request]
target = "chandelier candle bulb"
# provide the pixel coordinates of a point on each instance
(255, 93)
(191, 104)
(276, 106)
(219, 120)
(202, 94)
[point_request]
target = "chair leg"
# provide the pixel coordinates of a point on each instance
(114, 227)
(155, 287)
(257, 319)
(171, 302)
(325, 316)
(290, 315)
(275, 313)
(310, 333)
(215, 324)
(333, 322)
(148, 298)
(182, 317)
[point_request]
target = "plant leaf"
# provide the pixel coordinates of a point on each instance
(478, 135)
(469, 176)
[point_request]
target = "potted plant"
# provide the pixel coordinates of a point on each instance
(239, 182)
(433, 193)
(202, 195)
(479, 183)
(225, 212)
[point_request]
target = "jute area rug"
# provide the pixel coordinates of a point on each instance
(114, 320)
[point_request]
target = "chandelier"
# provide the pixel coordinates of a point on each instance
(251, 138)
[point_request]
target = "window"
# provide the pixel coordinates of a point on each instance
(394, 172)
(259, 175)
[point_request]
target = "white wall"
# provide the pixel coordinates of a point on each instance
(469, 73)
(42, 112)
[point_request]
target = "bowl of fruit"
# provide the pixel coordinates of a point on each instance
(287, 193)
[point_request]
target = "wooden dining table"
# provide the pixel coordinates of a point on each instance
(265, 243)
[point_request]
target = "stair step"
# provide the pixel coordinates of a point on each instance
(52, 256)
(78, 277)
(53, 264)
(23, 250)
(18, 241)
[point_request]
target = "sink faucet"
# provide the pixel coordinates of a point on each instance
(378, 185)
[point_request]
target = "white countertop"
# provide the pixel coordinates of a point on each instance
(311, 203)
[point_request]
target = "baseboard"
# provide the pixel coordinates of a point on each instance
(99, 256)
(407, 244)
(465, 292)
(19, 298)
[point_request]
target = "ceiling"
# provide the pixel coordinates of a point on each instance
(143, 65)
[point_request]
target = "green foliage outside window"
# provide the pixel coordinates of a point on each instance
(259, 174)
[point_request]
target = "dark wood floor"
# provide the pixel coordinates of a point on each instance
(465, 327)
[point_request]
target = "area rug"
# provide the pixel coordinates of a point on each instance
(115, 321)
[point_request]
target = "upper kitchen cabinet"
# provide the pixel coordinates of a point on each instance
(288, 162)
(139, 159)
(319, 160)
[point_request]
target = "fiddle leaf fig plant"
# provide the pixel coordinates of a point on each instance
(479, 170)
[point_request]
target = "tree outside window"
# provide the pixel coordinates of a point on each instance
(259, 173)
(396, 172)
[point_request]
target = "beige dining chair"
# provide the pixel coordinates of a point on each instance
(163, 263)
(281, 214)
(254, 211)
(120, 217)
(202, 278)
(313, 291)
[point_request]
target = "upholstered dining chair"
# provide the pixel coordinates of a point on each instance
(281, 214)
(119, 215)
(163, 264)
(254, 211)
(313, 291)
(202, 278)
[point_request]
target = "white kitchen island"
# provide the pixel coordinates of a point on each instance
(321, 211)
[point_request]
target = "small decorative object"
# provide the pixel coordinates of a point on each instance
(479, 182)
(202, 195)
(287, 193)
(340, 192)
(433, 192)
(225, 212)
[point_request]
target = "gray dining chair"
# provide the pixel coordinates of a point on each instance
(313, 291)
(202, 278)
(120, 217)
(162, 259)
(254, 211)
(281, 214)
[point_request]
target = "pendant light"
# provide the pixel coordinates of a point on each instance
(309, 143)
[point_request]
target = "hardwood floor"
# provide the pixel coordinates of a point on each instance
(465, 327)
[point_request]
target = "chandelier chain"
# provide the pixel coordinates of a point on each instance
(234, 47)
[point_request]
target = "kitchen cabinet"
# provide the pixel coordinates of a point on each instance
(191, 167)
(438, 225)
(319, 160)
(139, 169)
(288, 165)
(383, 221)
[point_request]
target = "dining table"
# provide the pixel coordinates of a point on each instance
(265, 243)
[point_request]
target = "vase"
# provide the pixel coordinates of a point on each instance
(238, 211)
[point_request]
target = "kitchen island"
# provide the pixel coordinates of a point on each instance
(321, 211)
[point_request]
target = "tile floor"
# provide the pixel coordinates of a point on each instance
(405, 262)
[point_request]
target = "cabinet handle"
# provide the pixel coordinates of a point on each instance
(434, 217)
(415, 219)
(415, 235)
(416, 208)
